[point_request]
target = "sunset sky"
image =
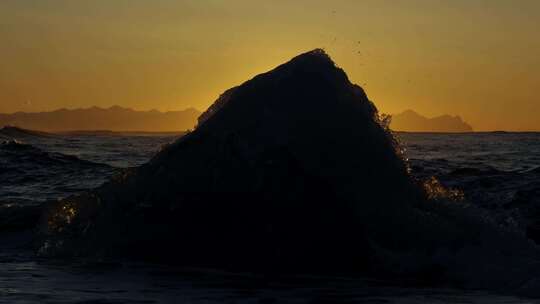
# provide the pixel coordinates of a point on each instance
(476, 58)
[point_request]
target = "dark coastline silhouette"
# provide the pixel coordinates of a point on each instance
(292, 171)
(11, 132)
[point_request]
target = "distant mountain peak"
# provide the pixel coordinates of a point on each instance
(411, 121)
(409, 112)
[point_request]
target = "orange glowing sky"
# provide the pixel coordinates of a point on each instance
(476, 58)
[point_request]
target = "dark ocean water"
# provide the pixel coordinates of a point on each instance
(37, 167)
(518, 152)
(496, 171)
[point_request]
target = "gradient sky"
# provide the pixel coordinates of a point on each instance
(476, 58)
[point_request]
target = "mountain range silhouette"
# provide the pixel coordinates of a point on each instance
(114, 118)
(411, 121)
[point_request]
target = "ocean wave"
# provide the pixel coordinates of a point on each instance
(14, 150)
(28, 173)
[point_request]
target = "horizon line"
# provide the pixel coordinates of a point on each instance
(188, 130)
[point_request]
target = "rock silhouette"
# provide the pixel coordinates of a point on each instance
(292, 171)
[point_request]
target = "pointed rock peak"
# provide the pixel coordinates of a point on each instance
(305, 76)
(314, 59)
(409, 112)
(318, 55)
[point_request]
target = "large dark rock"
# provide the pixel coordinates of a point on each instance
(290, 171)
(278, 173)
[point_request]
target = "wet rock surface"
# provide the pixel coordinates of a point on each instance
(294, 171)
(266, 180)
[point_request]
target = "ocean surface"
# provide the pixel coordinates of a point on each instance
(495, 171)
